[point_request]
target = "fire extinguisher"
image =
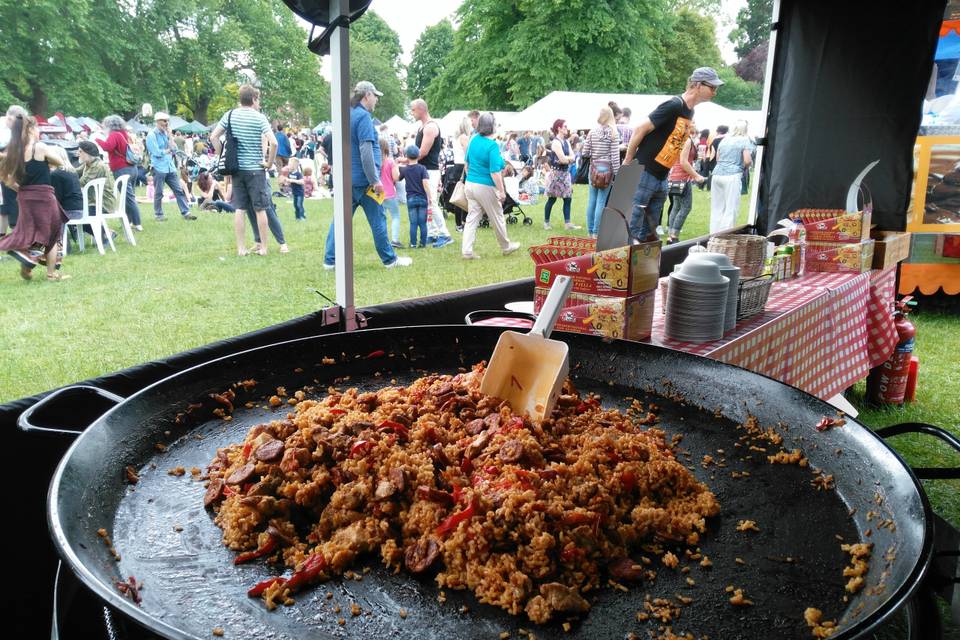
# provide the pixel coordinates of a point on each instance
(887, 383)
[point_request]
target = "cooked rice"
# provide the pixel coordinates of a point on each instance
(544, 513)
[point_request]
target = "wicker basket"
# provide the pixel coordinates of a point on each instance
(752, 296)
(745, 251)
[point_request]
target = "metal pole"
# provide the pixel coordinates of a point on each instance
(767, 77)
(342, 184)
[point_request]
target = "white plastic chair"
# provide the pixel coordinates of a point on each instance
(120, 187)
(93, 188)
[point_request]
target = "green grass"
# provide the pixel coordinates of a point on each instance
(183, 286)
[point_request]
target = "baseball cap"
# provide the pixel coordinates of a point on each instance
(706, 74)
(366, 87)
(161, 115)
(413, 151)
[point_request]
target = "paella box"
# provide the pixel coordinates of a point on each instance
(839, 257)
(628, 318)
(835, 225)
(561, 247)
(620, 273)
(889, 248)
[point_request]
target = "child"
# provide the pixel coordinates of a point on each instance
(149, 196)
(309, 184)
(418, 195)
(283, 183)
(295, 180)
(389, 174)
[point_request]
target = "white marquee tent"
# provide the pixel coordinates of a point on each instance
(580, 110)
(399, 126)
(505, 121)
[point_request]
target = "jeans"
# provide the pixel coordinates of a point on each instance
(133, 211)
(417, 212)
(596, 201)
(173, 180)
(549, 207)
(649, 198)
(391, 206)
(377, 222)
(298, 212)
(272, 219)
(680, 206)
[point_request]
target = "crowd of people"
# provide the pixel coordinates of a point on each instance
(420, 170)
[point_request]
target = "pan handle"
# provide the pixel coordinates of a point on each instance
(927, 473)
(72, 409)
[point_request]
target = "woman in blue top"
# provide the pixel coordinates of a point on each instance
(733, 156)
(484, 188)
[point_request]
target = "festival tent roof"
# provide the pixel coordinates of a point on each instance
(137, 126)
(580, 110)
(396, 124)
(504, 119)
(72, 123)
(176, 122)
(192, 127)
(89, 123)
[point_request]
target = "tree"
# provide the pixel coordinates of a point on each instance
(430, 56)
(373, 29)
(737, 93)
(753, 26)
(368, 62)
(508, 54)
(690, 42)
(753, 66)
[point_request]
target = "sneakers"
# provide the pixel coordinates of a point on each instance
(546, 225)
(401, 261)
(396, 245)
(442, 241)
(431, 239)
(189, 216)
(570, 225)
(329, 267)
(513, 246)
(160, 219)
(470, 256)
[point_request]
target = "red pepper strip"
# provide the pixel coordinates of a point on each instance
(396, 427)
(379, 353)
(360, 448)
(628, 479)
(246, 450)
(311, 570)
(458, 490)
(576, 518)
(466, 466)
(436, 495)
(258, 589)
(569, 553)
(338, 412)
(513, 424)
(269, 547)
(227, 491)
(491, 470)
(451, 523)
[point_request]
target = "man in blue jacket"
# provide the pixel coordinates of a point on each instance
(283, 148)
(161, 151)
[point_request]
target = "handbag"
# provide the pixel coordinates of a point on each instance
(676, 187)
(584, 171)
(459, 196)
(601, 174)
(228, 164)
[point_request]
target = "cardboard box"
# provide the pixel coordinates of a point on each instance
(889, 248)
(835, 225)
(628, 318)
(621, 273)
(839, 257)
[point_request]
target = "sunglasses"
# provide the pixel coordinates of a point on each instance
(709, 86)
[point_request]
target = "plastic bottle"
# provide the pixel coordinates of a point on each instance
(798, 237)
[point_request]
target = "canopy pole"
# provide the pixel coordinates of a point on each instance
(765, 113)
(342, 183)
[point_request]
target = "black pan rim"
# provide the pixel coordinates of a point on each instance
(861, 628)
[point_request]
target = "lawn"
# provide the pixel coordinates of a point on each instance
(183, 286)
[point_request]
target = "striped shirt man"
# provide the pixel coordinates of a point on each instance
(248, 126)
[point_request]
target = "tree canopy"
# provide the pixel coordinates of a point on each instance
(753, 26)
(373, 29)
(430, 56)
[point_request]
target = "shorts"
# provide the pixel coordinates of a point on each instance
(250, 189)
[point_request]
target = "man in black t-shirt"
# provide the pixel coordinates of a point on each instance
(656, 144)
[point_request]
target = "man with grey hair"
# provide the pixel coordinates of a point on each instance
(162, 151)
(8, 206)
(365, 159)
(430, 144)
(120, 153)
(656, 143)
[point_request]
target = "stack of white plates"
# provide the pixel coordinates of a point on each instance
(728, 270)
(696, 302)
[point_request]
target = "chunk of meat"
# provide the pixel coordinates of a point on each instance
(421, 554)
(439, 456)
(474, 448)
(242, 474)
(398, 478)
(269, 451)
(563, 598)
(475, 426)
(384, 490)
(625, 569)
(511, 451)
(492, 420)
(293, 459)
(214, 492)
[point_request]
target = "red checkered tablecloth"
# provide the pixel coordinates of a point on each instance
(513, 323)
(820, 333)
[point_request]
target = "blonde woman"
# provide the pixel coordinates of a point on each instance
(603, 144)
(460, 141)
(733, 156)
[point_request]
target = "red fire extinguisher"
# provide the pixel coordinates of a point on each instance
(887, 383)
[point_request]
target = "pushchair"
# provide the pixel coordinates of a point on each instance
(511, 204)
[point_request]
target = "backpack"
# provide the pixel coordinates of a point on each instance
(228, 164)
(601, 173)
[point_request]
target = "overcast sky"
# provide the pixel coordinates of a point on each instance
(409, 19)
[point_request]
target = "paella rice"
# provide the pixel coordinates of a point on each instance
(437, 478)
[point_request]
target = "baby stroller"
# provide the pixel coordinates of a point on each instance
(512, 201)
